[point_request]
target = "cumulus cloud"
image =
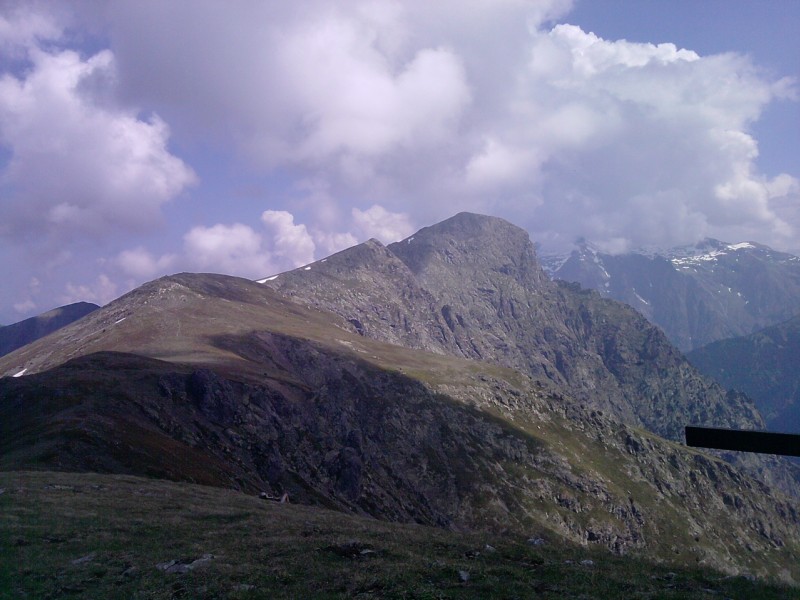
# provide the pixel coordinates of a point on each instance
(232, 249)
(282, 244)
(78, 164)
(25, 306)
(292, 84)
(102, 291)
(663, 154)
(238, 249)
(287, 241)
(350, 100)
(21, 29)
(486, 104)
(142, 264)
(379, 223)
(330, 243)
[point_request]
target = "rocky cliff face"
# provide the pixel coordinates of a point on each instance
(472, 287)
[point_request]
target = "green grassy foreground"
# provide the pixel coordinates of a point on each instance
(67, 535)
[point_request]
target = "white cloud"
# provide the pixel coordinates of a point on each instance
(25, 306)
(21, 29)
(348, 98)
(415, 109)
(78, 164)
(592, 55)
(101, 292)
(498, 164)
(330, 243)
(231, 249)
(291, 83)
(404, 104)
(379, 223)
(642, 143)
(142, 264)
(238, 249)
(286, 240)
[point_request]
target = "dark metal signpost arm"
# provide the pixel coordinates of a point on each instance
(786, 444)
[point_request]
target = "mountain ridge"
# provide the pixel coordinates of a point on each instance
(486, 298)
(300, 427)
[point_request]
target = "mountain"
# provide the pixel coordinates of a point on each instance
(698, 294)
(765, 365)
(17, 335)
(223, 381)
(472, 287)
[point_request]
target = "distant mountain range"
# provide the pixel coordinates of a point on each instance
(698, 294)
(444, 379)
(24, 332)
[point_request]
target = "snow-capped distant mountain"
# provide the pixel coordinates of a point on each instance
(697, 294)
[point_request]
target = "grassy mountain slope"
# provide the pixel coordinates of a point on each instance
(171, 540)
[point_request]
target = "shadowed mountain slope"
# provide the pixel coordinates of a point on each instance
(17, 335)
(764, 365)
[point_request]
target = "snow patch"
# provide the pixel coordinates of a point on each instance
(711, 256)
(266, 279)
(635, 293)
(409, 240)
(21, 373)
(120, 320)
(740, 246)
(306, 268)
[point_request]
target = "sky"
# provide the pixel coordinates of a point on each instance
(144, 138)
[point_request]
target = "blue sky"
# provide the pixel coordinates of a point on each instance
(143, 138)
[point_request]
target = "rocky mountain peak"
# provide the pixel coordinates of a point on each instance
(469, 245)
(472, 287)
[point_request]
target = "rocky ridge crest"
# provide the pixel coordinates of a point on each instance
(472, 286)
